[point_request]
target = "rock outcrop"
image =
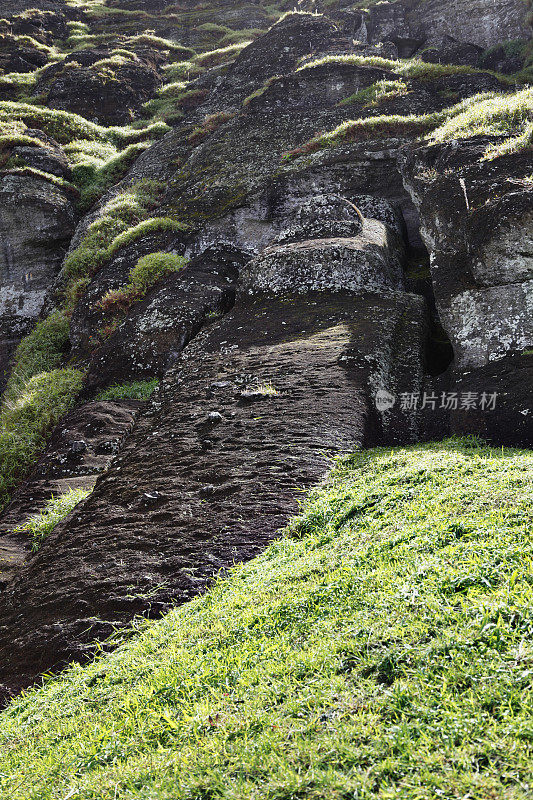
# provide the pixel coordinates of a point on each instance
(477, 223)
(413, 23)
(37, 217)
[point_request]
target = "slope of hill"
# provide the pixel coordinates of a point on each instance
(381, 648)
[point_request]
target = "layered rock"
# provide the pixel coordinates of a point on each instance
(98, 88)
(79, 451)
(413, 23)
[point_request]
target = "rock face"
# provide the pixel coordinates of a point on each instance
(250, 417)
(79, 451)
(335, 264)
(478, 225)
(37, 215)
(484, 23)
(99, 89)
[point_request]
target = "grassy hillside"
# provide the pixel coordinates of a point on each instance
(380, 649)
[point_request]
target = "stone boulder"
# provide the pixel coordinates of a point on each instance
(151, 336)
(328, 259)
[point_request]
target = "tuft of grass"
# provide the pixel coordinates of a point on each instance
(487, 113)
(152, 267)
(377, 93)
(40, 351)
(209, 125)
(37, 395)
(135, 390)
(40, 525)
(147, 271)
(122, 220)
(381, 648)
(508, 115)
(408, 68)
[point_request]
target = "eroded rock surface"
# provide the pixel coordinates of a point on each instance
(411, 23)
(478, 225)
(37, 215)
(79, 451)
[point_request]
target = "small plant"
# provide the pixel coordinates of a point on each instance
(135, 390)
(40, 525)
(266, 389)
(151, 268)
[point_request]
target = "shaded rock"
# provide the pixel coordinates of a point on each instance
(449, 51)
(157, 329)
(37, 217)
(502, 401)
(410, 23)
(89, 317)
(106, 93)
(367, 262)
(508, 57)
(478, 226)
(20, 56)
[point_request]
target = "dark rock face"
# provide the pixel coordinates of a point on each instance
(254, 410)
(484, 23)
(80, 449)
(477, 223)
(109, 95)
(504, 393)
(151, 337)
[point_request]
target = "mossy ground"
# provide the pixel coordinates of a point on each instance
(380, 649)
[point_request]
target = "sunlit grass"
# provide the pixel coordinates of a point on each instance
(380, 649)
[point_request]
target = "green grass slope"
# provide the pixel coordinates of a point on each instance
(380, 649)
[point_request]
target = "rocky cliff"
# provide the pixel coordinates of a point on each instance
(305, 231)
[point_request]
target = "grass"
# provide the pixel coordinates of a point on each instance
(27, 418)
(99, 156)
(40, 525)
(508, 115)
(148, 270)
(488, 113)
(380, 649)
(378, 92)
(39, 391)
(122, 220)
(135, 390)
(408, 68)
